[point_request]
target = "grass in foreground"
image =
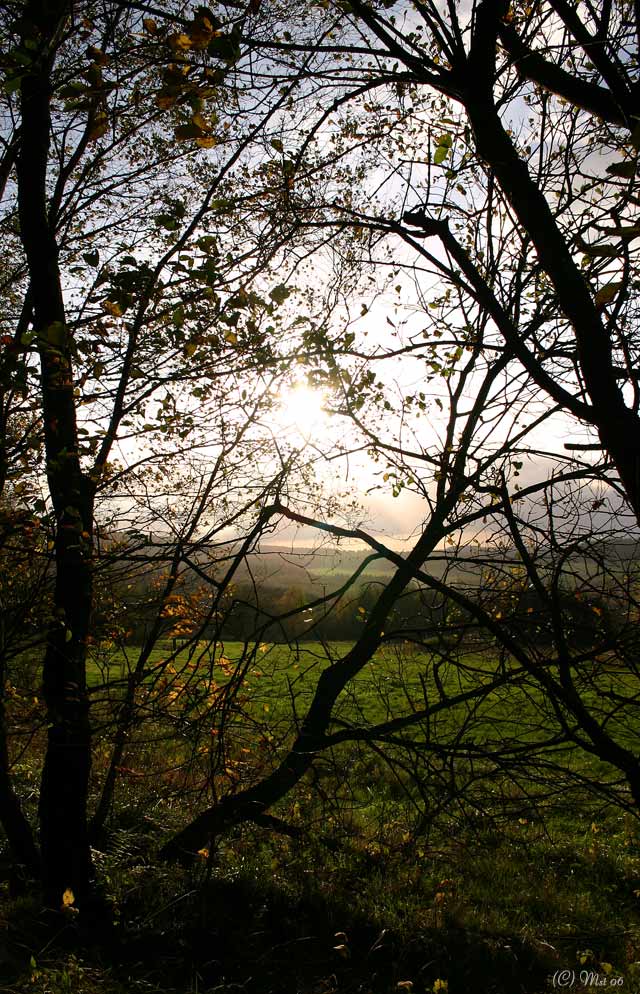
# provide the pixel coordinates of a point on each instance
(359, 901)
(269, 914)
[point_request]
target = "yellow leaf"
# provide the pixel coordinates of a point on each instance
(204, 853)
(112, 308)
(208, 141)
(68, 898)
(149, 25)
(200, 122)
(231, 337)
(180, 42)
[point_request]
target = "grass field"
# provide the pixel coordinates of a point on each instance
(436, 875)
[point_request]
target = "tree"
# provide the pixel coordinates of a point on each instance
(492, 64)
(532, 273)
(514, 334)
(130, 321)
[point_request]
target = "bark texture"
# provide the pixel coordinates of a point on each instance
(63, 798)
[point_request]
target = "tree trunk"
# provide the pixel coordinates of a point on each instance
(618, 426)
(63, 799)
(255, 800)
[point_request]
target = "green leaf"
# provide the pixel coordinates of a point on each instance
(223, 205)
(441, 154)
(12, 83)
(280, 293)
(73, 90)
(607, 293)
(56, 334)
(277, 144)
(166, 221)
(225, 47)
(207, 243)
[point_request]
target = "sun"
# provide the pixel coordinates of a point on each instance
(301, 410)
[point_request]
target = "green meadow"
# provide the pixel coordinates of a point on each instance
(383, 870)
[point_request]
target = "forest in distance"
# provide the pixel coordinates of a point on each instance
(319, 496)
(282, 591)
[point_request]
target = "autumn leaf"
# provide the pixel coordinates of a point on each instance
(99, 127)
(112, 308)
(200, 122)
(201, 31)
(179, 42)
(187, 131)
(68, 899)
(164, 101)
